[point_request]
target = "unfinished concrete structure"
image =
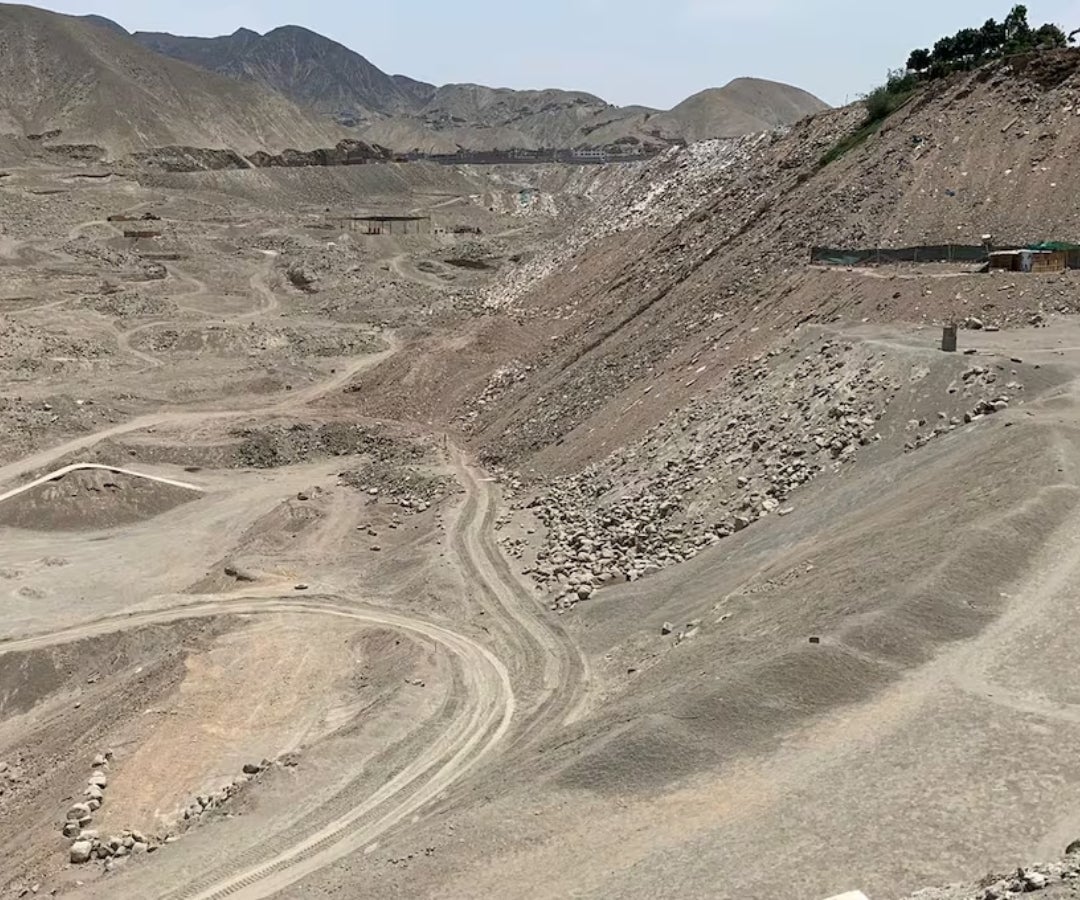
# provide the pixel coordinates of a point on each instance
(390, 224)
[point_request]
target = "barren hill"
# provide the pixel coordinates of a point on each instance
(81, 82)
(743, 106)
(406, 114)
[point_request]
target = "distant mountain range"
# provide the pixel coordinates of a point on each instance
(406, 114)
(92, 81)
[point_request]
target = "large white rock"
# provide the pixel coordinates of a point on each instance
(80, 851)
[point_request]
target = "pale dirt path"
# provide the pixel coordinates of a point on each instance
(153, 420)
(543, 646)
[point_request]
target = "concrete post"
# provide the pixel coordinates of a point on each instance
(948, 338)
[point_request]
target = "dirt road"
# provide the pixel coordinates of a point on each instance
(295, 400)
(544, 672)
(482, 722)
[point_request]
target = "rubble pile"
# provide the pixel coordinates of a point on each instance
(1062, 879)
(736, 454)
(403, 486)
(710, 472)
(659, 194)
(284, 445)
(498, 384)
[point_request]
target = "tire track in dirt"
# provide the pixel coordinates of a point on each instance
(540, 644)
(482, 721)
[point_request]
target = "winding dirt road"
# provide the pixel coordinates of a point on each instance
(500, 703)
(485, 719)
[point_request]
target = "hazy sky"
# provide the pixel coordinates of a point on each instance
(627, 51)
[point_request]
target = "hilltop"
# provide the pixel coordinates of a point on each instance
(83, 83)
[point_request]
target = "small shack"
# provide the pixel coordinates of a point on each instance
(1025, 260)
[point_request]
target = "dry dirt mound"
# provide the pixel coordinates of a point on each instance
(91, 499)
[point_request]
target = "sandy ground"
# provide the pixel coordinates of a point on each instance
(418, 720)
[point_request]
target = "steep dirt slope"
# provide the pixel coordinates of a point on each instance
(718, 279)
(80, 83)
(823, 573)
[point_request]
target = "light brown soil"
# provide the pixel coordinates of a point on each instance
(869, 686)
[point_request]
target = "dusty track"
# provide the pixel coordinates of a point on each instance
(539, 645)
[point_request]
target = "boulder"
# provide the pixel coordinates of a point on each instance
(77, 811)
(80, 852)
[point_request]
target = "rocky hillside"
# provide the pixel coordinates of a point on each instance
(713, 245)
(75, 81)
(406, 114)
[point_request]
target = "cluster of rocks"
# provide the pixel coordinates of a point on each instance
(498, 384)
(405, 487)
(708, 473)
(977, 379)
(1027, 880)
(284, 445)
(206, 803)
(88, 844)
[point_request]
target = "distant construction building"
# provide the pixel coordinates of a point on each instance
(390, 225)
